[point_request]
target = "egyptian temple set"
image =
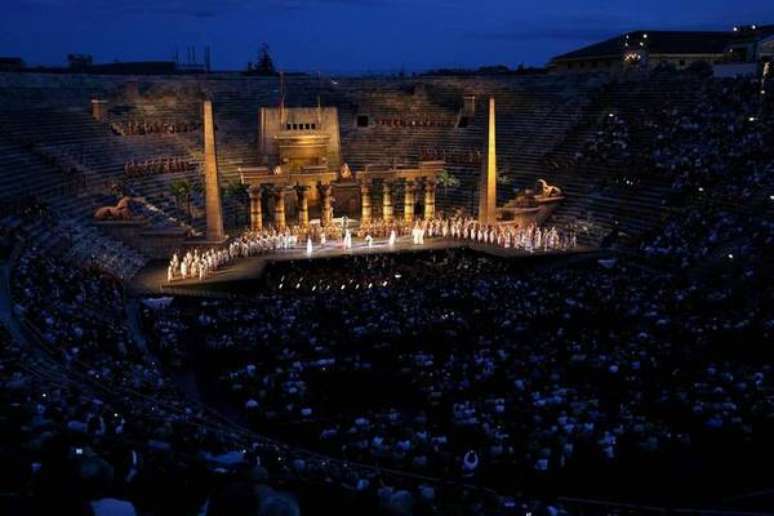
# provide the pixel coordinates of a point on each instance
(299, 174)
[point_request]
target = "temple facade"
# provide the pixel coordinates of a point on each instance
(302, 167)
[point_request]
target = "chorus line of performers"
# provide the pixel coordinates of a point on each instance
(139, 127)
(199, 265)
(165, 165)
(531, 238)
(196, 265)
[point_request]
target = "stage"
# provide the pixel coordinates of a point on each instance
(152, 279)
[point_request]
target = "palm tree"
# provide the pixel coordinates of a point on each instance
(446, 181)
(182, 190)
(197, 188)
(237, 192)
(503, 179)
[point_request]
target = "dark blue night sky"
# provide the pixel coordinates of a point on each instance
(347, 35)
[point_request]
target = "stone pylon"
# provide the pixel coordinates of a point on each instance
(212, 202)
(487, 203)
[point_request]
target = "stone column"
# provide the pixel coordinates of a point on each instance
(409, 198)
(386, 201)
(326, 193)
(212, 204)
(303, 206)
(256, 210)
(365, 201)
(429, 198)
(487, 202)
(279, 207)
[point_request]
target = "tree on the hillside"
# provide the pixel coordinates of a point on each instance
(264, 64)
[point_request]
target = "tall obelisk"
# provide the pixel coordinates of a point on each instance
(212, 203)
(487, 202)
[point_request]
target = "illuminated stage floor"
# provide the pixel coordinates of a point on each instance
(153, 278)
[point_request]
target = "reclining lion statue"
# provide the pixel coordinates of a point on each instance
(118, 212)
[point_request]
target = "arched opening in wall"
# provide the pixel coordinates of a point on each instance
(362, 120)
(463, 123)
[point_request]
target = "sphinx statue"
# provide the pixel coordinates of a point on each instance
(345, 172)
(543, 189)
(120, 211)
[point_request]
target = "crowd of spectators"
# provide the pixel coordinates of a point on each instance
(704, 233)
(721, 143)
(459, 366)
(718, 154)
(711, 142)
(716, 139)
(609, 143)
(96, 425)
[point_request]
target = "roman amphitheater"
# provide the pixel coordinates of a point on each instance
(481, 294)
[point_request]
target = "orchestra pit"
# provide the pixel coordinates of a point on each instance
(437, 294)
